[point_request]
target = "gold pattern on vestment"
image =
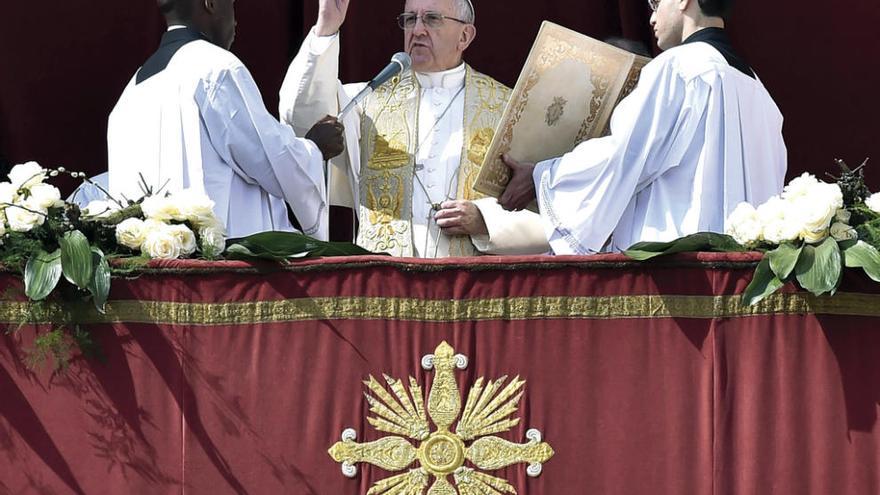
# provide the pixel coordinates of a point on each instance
(389, 133)
(441, 310)
(442, 452)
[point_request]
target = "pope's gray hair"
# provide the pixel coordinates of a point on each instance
(464, 9)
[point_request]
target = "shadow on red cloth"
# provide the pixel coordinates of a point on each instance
(858, 357)
(687, 282)
(166, 359)
(18, 413)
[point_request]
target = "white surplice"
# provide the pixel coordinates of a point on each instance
(694, 139)
(312, 89)
(202, 124)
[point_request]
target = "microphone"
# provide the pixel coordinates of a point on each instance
(400, 62)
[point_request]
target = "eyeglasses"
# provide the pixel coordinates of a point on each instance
(431, 20)
(654, 4)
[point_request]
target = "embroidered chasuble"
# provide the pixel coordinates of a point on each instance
(389, 137)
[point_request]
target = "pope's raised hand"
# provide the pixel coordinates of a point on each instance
(331, 15)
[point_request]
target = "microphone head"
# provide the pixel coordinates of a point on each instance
(403, 59)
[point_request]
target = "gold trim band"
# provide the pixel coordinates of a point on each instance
(442, 311)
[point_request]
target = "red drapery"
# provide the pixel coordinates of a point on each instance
(644, 378)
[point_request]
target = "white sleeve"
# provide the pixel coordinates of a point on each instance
(583, 195)
(312, 90)
(263, 151)
(510, 232)
(309, 91)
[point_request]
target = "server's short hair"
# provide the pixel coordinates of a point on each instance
(716, 8)
(181, 8)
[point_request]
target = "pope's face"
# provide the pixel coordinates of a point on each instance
(439, 48)
(668, 24)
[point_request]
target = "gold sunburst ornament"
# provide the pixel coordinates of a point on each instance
(442, 452)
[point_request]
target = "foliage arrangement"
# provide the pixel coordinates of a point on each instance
(808, 234)
(65, 252)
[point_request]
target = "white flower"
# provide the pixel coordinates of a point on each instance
(131, 233)
(162, 244)
(814, 237)
(26, 175)
(185, 238)
(100, 209)
(873, 202)
(213, 239)
(800, 187)
(8, 194)
(779, 224)
(24, 219)
(45, 196)
(195, 207)
(819, 208)
(843, 232)
(743, 224)
(163, 209)
(2, 226)
(843, 216)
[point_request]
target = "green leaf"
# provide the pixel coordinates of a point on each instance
(763, 283)
(820, 268)
(784, 258)
(703, 241)
(99, 286)
(280, 246)
(41, 274)
(76, 259)
(862, 255)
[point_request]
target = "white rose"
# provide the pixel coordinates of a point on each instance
(195, 207)
(185, 238)
(777, 221)
(24, 220)
(799, 187)
(45, 196)
(213, 239)
(843, 216)
(843, 232)
(819, 209)
(100, 209)
(873, 202)
(160, 208)
(131, 233)
(743, 224)
(2, 226)
(8, 194)
(26, 175)
(161, 244)
(814, 237)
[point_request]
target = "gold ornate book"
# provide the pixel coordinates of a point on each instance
(565, 95)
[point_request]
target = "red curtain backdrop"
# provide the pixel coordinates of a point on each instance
(65, 64)
(644, 378)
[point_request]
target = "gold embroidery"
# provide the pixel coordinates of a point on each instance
(443, 452)
(479, 144)
(444, 311)
(390, 125)
(389, 154)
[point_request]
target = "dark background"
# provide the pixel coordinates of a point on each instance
(64, 64)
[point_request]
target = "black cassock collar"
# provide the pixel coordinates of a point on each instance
(171, 42)
(718, 39)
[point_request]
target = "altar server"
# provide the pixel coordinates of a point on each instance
(192, 117)
(699, 135)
